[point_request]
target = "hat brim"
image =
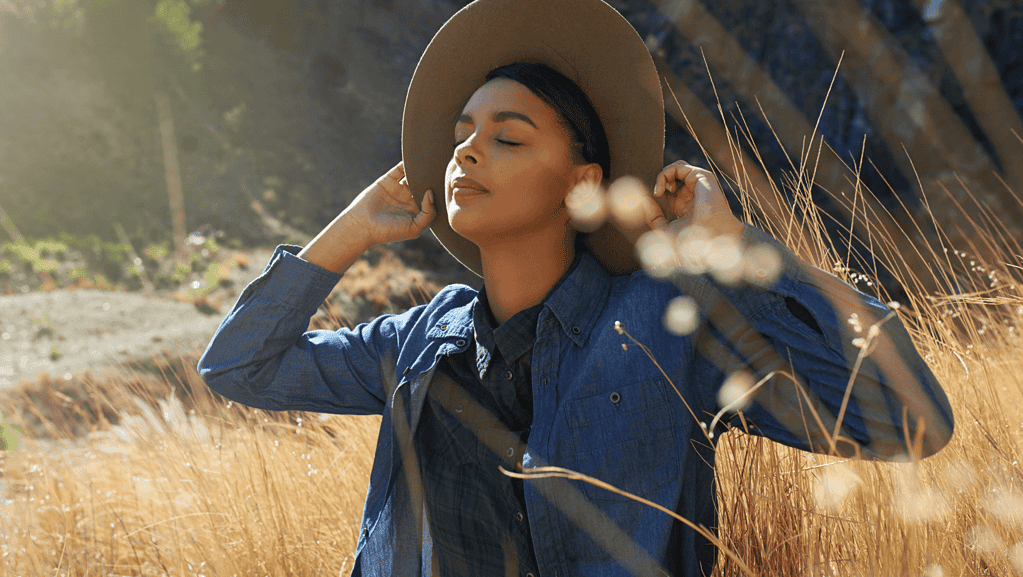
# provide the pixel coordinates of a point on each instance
(586, 40)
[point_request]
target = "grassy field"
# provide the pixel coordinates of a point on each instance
(148, 473)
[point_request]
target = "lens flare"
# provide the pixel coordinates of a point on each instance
(1016, 556)
(983, 540)
(735, 392)
(587, 207)
(921, 505)
(693, 246)
(682, 316)
(724, 259)
(657, 253)
(833, 486)
(1004, 505)
(626, 197)
(762, 265)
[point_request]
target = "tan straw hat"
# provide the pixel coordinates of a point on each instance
(586, 40)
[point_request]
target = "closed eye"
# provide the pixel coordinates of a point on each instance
(458, 143)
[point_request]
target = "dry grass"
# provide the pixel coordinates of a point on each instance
(148, 473)
(188, 485)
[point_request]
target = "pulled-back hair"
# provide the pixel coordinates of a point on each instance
(570, 102)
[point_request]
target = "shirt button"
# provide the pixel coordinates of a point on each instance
(444, 327)
(576, 330)
(365, 532)
(460, 343)
(509, 375)
(520, 516)
(615, 397)
(529, 575)
(510, 452)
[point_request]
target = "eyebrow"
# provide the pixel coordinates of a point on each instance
(501, 116)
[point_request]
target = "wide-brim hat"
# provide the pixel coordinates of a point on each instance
(586, 40)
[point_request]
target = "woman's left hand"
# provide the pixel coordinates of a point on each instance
(694, 195)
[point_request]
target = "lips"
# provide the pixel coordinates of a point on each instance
(467, 185)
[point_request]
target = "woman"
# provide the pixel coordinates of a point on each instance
(515, 105)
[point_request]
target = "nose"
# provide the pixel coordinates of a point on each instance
(466, 152)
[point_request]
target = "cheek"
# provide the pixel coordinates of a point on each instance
(447, 178)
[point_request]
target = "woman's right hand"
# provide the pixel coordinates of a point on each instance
(384, 212)
(387, 212)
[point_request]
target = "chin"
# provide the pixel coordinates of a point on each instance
(469, 226)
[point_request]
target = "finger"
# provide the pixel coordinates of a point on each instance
(397, 172)
(684, 202)
(426, 214)
(685, 172)
(696, 174)
(428, 205)
(660, 183)
(652, 214)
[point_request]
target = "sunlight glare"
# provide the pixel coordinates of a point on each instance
(682, 316)
(734, 393)
(921, 505)
(983, 540)
(762, 264)
(724, 258)
(1004, 505)
(626, 197)
(1016, 556)
(657, 253)
(833, 486)
(587, 206)
(693, 246)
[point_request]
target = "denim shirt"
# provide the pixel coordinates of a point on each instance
(602, 406)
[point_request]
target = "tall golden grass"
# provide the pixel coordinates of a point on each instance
(148, 473)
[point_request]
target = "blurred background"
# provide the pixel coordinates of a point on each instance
(254, 122)
(153, 152)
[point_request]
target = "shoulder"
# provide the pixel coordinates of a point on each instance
(451, 301)
(650, 288)
(453, 295)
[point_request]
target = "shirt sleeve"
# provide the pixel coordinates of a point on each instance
(808, 351)
(262, 356)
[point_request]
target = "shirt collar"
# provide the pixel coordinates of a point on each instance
(513, 337)
(580, 297)
(575, 301)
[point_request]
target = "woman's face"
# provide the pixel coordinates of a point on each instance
(512, 167)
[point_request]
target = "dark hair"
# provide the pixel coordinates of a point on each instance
(570, 102)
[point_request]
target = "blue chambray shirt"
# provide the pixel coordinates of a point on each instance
(601, 409)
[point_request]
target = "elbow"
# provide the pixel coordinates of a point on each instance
(936, 434)
(230, 384)
(920, 440)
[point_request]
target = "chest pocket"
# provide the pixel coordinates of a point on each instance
(624, 436)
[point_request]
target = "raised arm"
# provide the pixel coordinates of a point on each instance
(838, 371)
(262, 355)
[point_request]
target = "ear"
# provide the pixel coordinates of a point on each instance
(590, 174)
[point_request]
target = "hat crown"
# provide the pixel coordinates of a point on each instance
(588, 41)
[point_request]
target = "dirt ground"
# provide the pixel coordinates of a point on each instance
(65, 332)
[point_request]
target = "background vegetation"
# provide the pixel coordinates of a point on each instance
(283, 111)
(906, 184)
(236, 491)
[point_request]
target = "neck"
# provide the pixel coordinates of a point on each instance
(518, 273)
